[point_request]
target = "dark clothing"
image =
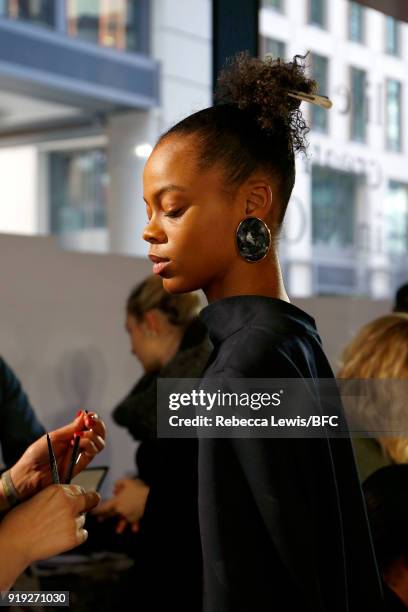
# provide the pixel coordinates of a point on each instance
(282, 521)
(19, 427)
(370, 457)
(393, 602)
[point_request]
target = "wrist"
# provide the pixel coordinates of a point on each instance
(4, 503)
(22, 481)
(10, 497)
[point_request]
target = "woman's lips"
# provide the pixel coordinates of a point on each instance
(159, 263)
(159, 266)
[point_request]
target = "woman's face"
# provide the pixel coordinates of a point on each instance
(192, 218)
(142, 345)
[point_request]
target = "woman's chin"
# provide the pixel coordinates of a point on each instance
(177, 284)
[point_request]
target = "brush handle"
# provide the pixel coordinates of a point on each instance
(73, 459)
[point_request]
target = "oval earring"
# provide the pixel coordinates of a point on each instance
(253, 239)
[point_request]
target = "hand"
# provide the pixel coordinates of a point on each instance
(129, 501)
(32, 471)
(49, 523)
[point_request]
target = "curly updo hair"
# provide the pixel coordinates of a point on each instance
(254, 123)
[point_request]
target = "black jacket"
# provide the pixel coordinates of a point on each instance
(19, 427)
(282, 521)
(264, 525)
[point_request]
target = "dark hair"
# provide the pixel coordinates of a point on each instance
(180, 308)
(401, 299)
(386, 495)
(254, 123)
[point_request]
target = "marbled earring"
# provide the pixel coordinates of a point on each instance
(253, 239)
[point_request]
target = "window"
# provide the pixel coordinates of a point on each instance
(358, 105)
(393, 115)
(356, 22)
(38, 12)
(112, 23)
(78, 182)
(397, 219)
(392, 36)
(334, 195)
(317, 12)
(274, 47)
(277, 5)
(320, 71)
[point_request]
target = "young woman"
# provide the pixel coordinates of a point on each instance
(282, 522)
(380, 352)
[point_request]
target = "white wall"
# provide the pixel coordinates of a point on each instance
(19, 190)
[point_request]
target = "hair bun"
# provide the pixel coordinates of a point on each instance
(260, 87)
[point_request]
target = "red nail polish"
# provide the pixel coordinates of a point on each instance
(79, 413)
(78, 433)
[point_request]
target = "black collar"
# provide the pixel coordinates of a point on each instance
(228, 315)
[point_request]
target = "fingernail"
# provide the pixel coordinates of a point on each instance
(78, 433)
(79, 413)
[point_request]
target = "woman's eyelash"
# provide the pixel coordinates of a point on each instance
(174, 213)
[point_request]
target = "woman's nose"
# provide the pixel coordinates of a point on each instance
(153, 233)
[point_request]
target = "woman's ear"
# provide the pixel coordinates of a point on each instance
(259, 199)
(151, 323)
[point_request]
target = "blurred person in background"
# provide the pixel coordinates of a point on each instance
(380, 352)
(386, 495)
(19, 426)
(170, 341)
(401, 299)
(40, 519)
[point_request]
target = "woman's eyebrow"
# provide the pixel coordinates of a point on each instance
(166, 189)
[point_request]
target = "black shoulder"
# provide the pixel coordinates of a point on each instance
(254, 352)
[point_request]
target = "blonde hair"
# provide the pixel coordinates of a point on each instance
(180, 308)
(380, 351)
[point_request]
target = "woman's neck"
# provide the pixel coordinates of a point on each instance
(170, 346)
(262, 278)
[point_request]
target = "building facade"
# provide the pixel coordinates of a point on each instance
(347, 225)
(86, 87)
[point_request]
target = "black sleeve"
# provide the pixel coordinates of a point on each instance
(19, 426)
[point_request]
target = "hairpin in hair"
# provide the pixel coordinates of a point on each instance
(322, 101)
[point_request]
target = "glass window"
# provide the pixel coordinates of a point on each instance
(110, 23)
(277, 5)
(392, 36)
(358, 105)
(320, 70)
(38, 12)
(356, 22)
(396, 212)
(317, 12)
(393, 115)
(334, 196)
(274, 47)
(78, 193)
